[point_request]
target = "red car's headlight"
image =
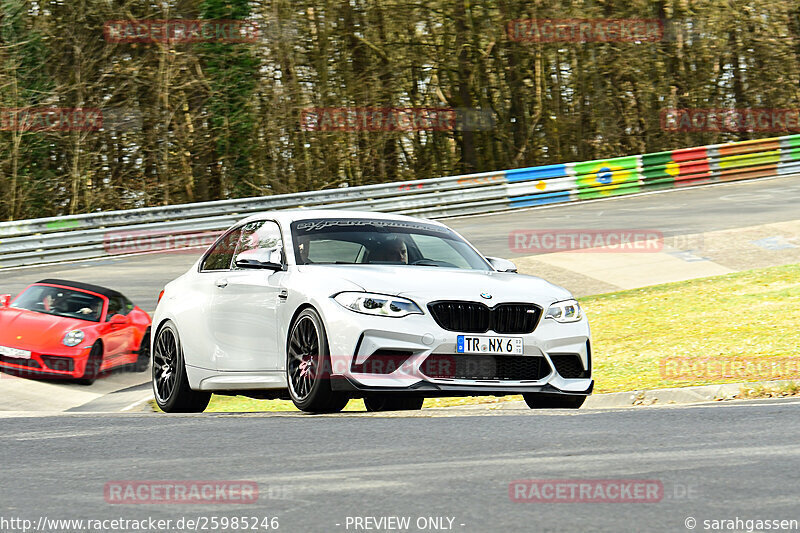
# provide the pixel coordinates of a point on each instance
(73, 338)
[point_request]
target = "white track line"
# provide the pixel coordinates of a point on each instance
(137, 403)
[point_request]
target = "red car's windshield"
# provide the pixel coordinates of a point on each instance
(60, 302)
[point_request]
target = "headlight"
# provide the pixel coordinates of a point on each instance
(377, 304)
(73, 338)
(566, 311)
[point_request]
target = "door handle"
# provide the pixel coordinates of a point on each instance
(222, 283)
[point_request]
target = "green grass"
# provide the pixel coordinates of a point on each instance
(749, 315)
(753, 314)
(761, 391)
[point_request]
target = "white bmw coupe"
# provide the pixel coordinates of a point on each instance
(325, 306)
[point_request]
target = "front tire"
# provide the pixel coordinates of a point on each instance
(170, 383)
(93, 364)
(308, 366)
(536, 401)
(392, 403)
(143, 359)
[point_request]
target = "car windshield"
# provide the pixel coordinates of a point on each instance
(390, 242)
(60, 302)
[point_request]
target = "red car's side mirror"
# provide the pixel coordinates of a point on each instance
(5, 299)
(118, 319)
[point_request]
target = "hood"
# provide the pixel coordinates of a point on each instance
(427, 284)
(38, 330)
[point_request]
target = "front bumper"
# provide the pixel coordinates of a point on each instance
(354, 337)
(68, 363)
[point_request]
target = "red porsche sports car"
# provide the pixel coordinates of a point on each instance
(65, 329)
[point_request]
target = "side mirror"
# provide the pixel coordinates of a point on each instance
(118, 320)
(5, 299)
(502, 265)
(262, 258)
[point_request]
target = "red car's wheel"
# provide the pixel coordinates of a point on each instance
(143, 359)
(93, 364)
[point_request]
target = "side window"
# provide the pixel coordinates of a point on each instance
(262, 235)
(220, 257)
(115, 307)
(121, 303)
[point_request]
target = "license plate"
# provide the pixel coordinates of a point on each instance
(15, 353)
(490, 345)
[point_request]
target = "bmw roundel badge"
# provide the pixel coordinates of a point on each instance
(486, 296)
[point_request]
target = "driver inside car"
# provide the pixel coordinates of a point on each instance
(394, 250)
(54, 302)
(303, 244)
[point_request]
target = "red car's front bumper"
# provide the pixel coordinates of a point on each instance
(54, 364)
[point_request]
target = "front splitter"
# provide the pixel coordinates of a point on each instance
(430, 390)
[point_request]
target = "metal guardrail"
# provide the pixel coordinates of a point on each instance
(94, 235)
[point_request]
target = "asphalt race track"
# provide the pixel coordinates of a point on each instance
(739, 459)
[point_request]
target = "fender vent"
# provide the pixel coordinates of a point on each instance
(569, 366)
(63, 364)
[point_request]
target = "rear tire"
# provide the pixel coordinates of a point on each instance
(93, 364)
(536, 401)
(376, 404)
(170, 383)
(143, 360)
(308, 366)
